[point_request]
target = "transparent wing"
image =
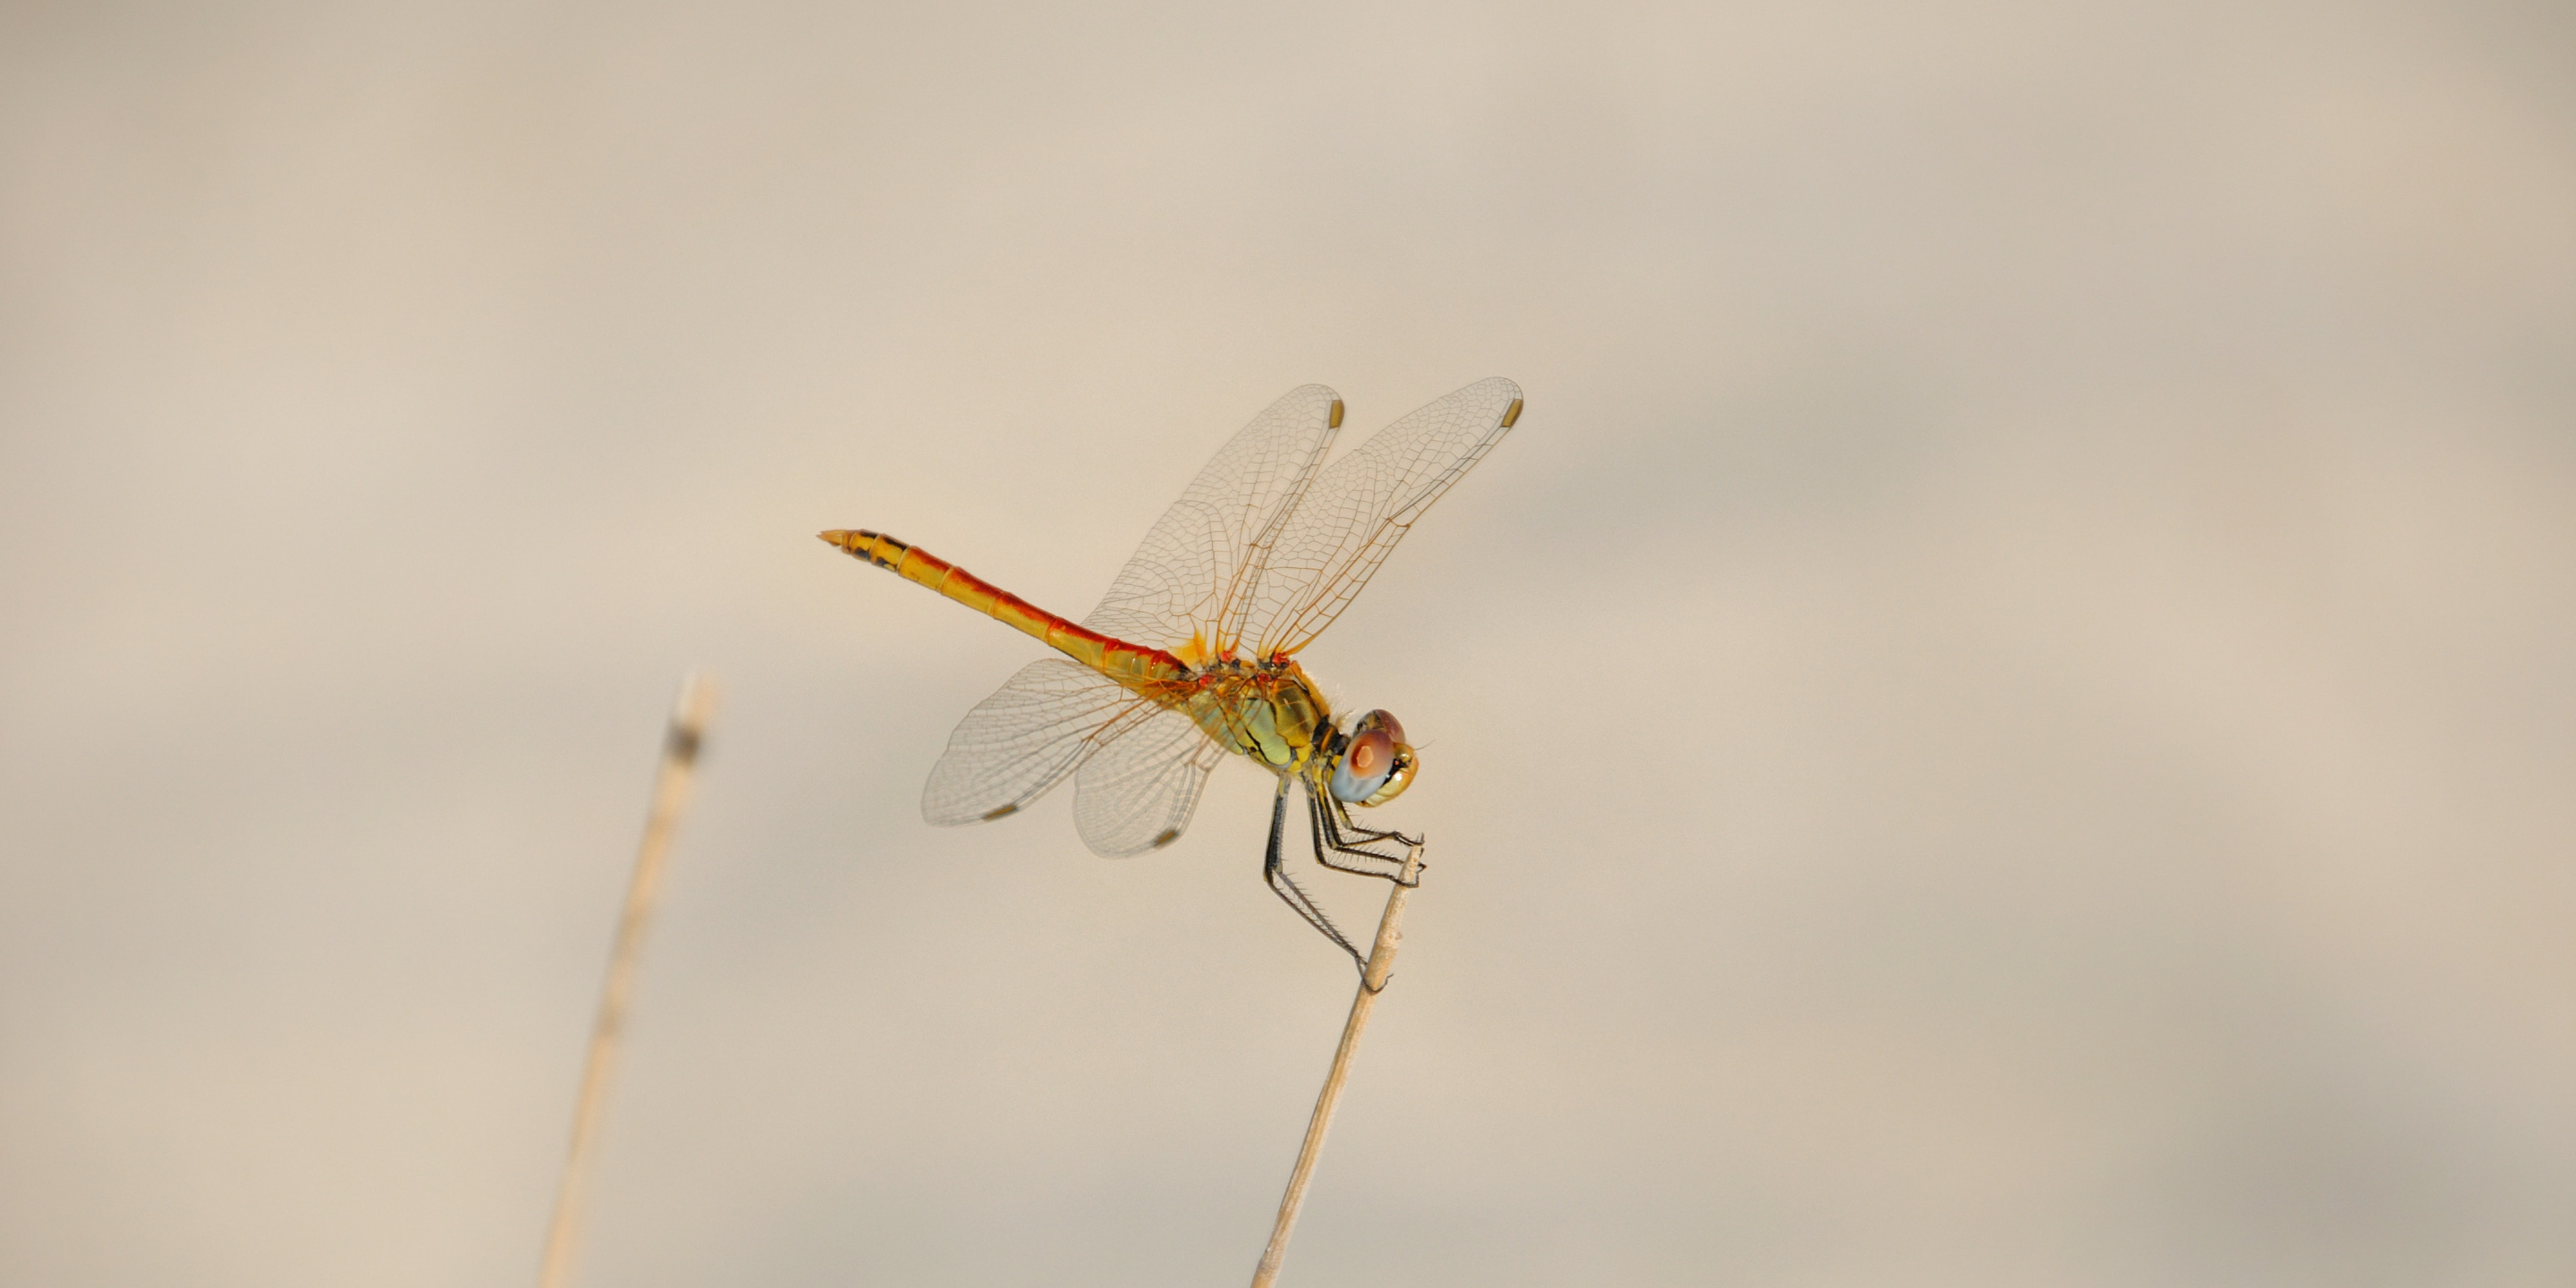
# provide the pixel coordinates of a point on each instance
(1139, 792)
(1362, 505)
(1024, 739)
(1194, 575)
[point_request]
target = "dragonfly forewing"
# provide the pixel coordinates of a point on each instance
(1362, 504)
(1193, 577)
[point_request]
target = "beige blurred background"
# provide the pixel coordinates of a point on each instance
(2005, 718)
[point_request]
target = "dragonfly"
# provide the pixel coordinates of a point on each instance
(1192, 656)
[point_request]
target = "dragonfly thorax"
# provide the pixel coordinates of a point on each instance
(1268, 711)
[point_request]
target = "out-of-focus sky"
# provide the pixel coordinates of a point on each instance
(2005, 717)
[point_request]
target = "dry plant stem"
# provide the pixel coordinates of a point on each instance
(1390, 935)
(670, 794)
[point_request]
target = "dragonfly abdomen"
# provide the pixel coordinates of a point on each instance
(1116, 658)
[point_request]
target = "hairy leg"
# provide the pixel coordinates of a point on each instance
(1290, 892)
(1347, 847)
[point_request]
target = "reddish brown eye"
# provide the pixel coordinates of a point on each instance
(1365, 762)
(1394, 731)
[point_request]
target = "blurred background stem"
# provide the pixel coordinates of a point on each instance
(670, 796)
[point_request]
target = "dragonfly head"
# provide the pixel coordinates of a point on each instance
(1373, 765)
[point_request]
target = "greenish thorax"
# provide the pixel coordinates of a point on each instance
(1268, 711)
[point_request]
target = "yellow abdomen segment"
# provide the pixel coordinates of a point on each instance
(1132, 665)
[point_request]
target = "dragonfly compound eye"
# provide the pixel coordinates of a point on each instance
(1397, 779)
(1380, 720)
(1366, 761)
(1375, 764)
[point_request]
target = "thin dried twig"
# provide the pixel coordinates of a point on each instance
(1390, 934)
(670, 795)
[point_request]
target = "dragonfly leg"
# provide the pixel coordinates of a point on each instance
(1341, 814)
(1347, 847)
(1290, 892)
